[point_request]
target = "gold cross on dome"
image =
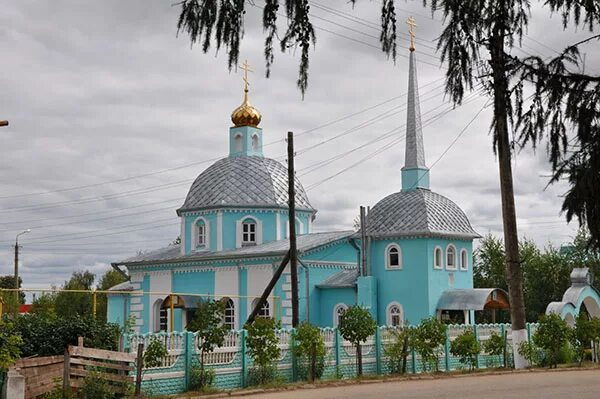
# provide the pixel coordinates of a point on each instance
(412, 23)
(246, 68)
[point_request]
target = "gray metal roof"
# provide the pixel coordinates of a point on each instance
(243, 181)
(581, 279)
(419, 212)
(466, 299)
(414, 153)
(172, 253)
(124, 286)
(343, 279)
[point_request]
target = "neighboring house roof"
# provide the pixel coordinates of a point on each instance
(343, 279)
(124, 286)
(244, 181)
(419, 212)
(305, 242)
(469, 298)
(24, 308)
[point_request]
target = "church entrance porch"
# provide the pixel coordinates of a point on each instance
(458, 306)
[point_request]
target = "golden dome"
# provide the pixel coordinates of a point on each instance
(246, 114)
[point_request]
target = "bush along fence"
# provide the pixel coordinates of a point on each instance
(232, 365)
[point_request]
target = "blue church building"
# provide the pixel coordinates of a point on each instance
(234, 235)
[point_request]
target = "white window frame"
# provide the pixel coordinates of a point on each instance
(464, 256)
(389, 266)
(157, 308)
(239, 231)
(388, 313)
(336, 319)
(455, 266)
(255, 143)
(299, 230)
(231, 317)
(265, 311)
(195, 232)
(435, 263)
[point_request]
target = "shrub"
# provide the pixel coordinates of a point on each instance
(10, 344)
(201, 378)
(495, 346)
(154, 353)
(262, 375)
(551, 336)
(309, 349)
(397, 351)
(262, 347)
(466, 347)
(586, 331)
(356, 325)
(428, 339)
(531, 353)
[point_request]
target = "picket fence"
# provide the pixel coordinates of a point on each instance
(231, 363)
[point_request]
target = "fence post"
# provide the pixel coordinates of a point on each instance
(139, 366)
(189, 354)
(447, 350)
(337, 350)
(529, 333)
(503, 332)
(243, 356)
(413, 361)
(67, 373)
(293, 356)
(378, 350)
(477, 339)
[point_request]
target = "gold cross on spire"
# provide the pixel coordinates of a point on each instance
(412, 23)
(246, 68)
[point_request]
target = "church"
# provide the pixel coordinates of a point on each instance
(234, 235)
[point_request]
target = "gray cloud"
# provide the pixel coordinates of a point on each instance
(98, 92)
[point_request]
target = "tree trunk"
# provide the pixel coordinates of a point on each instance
(511, 239)
(359, 359)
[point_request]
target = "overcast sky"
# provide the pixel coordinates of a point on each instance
(112, 117)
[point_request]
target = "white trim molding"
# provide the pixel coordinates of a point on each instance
(238, 230)
(278, 226)
(464, 260)
(388, 248)
(335, 312)
(438, 265)
(453, 248)
(195, 245)
(219, 230)
(388, 314)
(182, 236)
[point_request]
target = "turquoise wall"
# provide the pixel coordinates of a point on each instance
(117, 309)
(145, 287)
(200, 282)
(328, 298)
(246, 133)
(190, 242)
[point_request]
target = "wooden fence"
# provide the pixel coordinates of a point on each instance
(41, 374)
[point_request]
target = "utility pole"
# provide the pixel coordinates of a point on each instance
(292, 220)
(363, 241)
(17, 268)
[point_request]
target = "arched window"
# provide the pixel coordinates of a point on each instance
(248, 232)
(451, 257)
(200, 234)
(255, 142)
(229, 313)
(161, 316)
(464, 260)
(264, 311)
(237, 143)
(394, 315)
(393, 257)
(338, 311)
(437, 258)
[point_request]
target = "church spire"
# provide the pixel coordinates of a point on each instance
(415, 173)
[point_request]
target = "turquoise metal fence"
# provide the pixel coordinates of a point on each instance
(232, 364)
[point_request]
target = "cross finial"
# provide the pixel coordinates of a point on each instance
(246, 68)
(412, 23)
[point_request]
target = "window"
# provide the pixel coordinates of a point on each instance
(437, 258)
(394, 315)
(229, 314)
(161, 316)
(237, 143)
(464, 260)
(201, 234)
(393, 257)
(264, 311)
(338, 311)
(248, 232)
(255, 142)
(451, 257)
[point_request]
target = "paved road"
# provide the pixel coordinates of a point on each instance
(577, 384)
